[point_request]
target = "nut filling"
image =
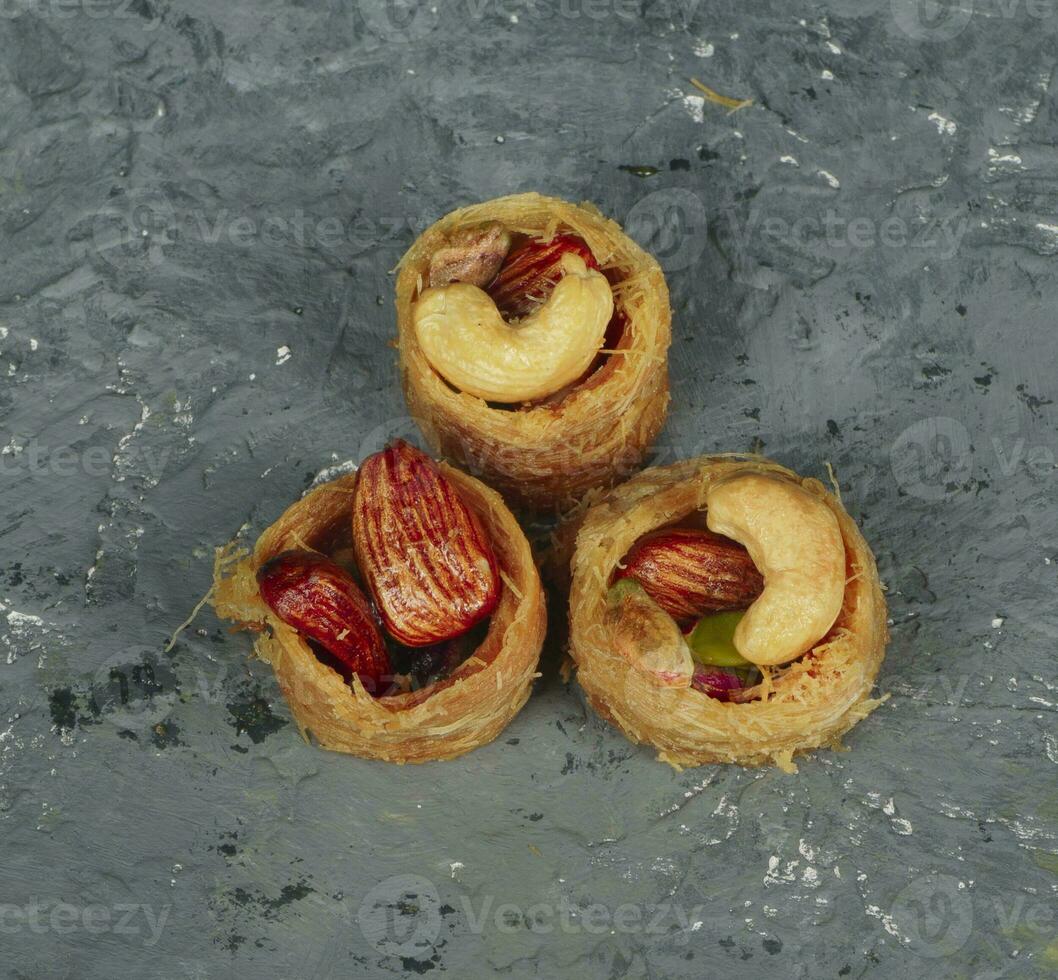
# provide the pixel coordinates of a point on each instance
(708, 609)
(800, 678)
(514, 326)
(430, 579)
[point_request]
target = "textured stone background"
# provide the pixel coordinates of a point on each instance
(199, 205)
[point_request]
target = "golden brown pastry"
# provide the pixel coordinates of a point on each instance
(798, 646)
(533, 338)
(304, 591)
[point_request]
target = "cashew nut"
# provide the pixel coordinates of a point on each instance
(470, 345)
(795, 542)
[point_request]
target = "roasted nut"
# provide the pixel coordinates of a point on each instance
(472, 255)
(795, 542)
(529, 275)
(468, 343)
(319, 599)
(647, 636)
(717, 683)
(712, 641)
(435, 662)
(425, 557)
(690, 572)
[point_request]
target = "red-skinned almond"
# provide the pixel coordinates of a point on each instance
(529, 275)
(320, 599)
(690, 572)
(424, 554)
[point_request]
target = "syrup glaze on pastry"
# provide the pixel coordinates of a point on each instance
(592, 430)
(797, 695)
(440, 699)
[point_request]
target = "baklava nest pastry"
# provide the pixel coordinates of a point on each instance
(724, 609)
(533, 338)
(445, 655)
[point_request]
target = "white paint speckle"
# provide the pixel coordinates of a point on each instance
(946, 127)
(283, 355)
(329, 473)
(695, 106)
(997, 622)
(833, 48)
(827, 75)
(829, 178)
(790, 160)
(19, 621)
(997, 159)
(887, 920)
(703, 49)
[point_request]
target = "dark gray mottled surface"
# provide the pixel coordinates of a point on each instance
(199, 206)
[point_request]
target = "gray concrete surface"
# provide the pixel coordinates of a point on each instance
(200, 204)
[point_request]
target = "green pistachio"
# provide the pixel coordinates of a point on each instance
(622, 588)
(712, 640)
